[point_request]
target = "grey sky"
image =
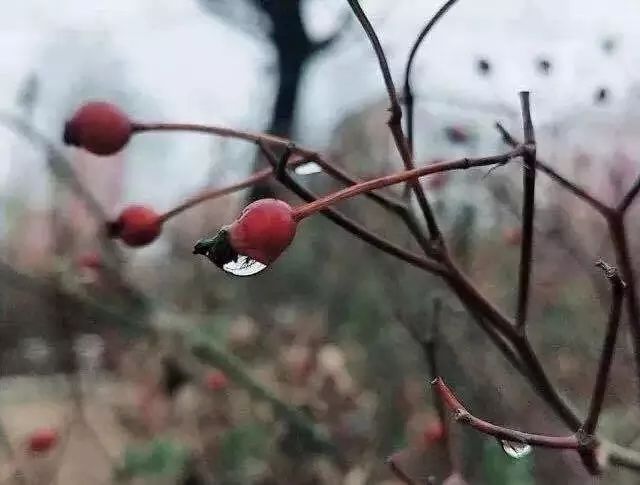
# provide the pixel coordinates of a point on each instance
(192, 67)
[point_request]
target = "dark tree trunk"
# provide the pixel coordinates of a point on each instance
(294, 49)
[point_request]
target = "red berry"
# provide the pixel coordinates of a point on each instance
(42, 440)
(216, 381)
(98, 127)
(512, 236)
(137, 225)
(433, 432)
(90, 260)
(264, 230)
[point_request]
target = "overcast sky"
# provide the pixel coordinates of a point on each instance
(170, 61)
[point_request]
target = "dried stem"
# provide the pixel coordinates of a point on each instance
(398, 472)
(408, 89)
(546, 169)
(395, 122)
(385, 181)
(353, 227)
(465, 417)
(528, 212)
(608, 348)
(216, 193)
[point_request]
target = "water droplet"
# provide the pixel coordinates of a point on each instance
(514, 449)
(243, 266)
(308, 168)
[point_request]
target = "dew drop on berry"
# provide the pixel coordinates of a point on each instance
(308, 168)
(514, 449)
(243, 266)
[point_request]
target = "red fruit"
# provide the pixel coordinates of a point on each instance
(433, 432)
(42, 440)
(137, 225)
(90, 260)
(264, 230)
(98, 127)
(216, 381)
(512, 236)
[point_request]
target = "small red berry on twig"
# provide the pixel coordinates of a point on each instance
(216, 380)
(98, 127)
(261, 233)
(90, 260)
(433, 432)
(137, 225)
(42, 440)
(512, 236)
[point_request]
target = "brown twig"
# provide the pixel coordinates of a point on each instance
(398, 472)
(395, 122)
(564, 182)
(528, 211)
(465, 417)
(608, 348)
(387, 180)
(351, 226)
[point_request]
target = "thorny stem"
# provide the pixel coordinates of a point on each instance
(395, 122)
(398, 177)
(465, 417)
(608, 348)
(528, 212)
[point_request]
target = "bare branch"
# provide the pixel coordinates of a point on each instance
(353, 227)
(398, 472)
(465, 417)
(395, 122)
(546, 169)
(528, 212)
(608, 348)
(629, 197)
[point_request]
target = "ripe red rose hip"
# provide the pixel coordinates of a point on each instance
(90, 260)
(261, 233)
(433, 432)
(42, 440)
(137, 225)
(98, 127)
(216, 380)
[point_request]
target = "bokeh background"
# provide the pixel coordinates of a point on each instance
(105, 359)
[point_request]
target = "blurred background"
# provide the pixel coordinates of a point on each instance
(150, 365)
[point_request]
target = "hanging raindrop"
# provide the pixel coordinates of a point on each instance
(243, 266)
(308, 168)
(219, 251)
(514, 449)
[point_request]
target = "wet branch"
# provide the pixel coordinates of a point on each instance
(608, 348)
(528, 212)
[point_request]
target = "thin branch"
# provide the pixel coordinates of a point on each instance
(465, 417)
(619, 238)
(395, 122)
(398, 472)
(528, 211)
(629, 197)
(353, 227)
(216, 193)
(387, 180)
(608, 348)
(546, 169)
(408, 89)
